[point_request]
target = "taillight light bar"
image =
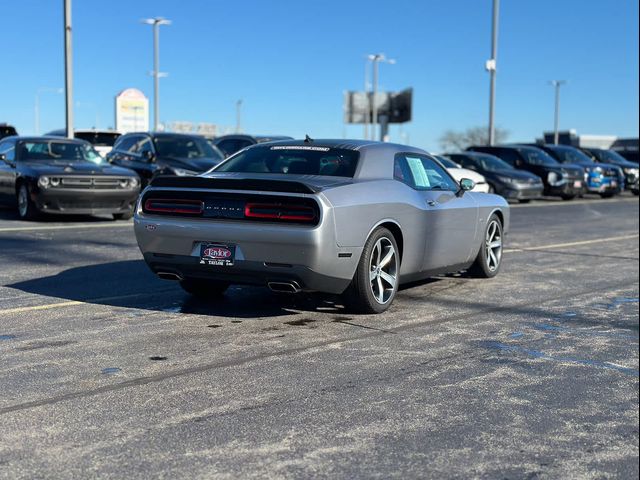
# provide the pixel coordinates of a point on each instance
(161, 205)
(282, 212)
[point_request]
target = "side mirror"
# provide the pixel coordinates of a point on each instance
(466, 185)
(149, 156)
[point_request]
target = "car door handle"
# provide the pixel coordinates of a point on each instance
(431, 203)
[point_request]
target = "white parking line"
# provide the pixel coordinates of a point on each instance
(591, 201)
(68, 227)
(572, 244)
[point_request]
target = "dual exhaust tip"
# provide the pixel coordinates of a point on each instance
(280, 287)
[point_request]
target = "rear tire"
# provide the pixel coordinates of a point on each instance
(204, 289)
(376, 281)
(26, 209)
(567, 197)
(607, 195)
(489, 259)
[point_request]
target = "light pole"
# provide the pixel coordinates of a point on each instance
(37, 105)
(490, 66)
(68, 71)
(238, 107)
(376, 59)
(156, 22)
(556, 117)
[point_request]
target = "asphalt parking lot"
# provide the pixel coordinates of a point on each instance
(110, 372)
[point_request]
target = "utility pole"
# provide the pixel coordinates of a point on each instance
(556, 117)
(366, 94)
(376, 59)
(156, 23)
(68, 73)
(238, 112)
(490, 66)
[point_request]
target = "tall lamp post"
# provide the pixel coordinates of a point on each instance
(556, 117)
(37, 105)
(156, 23)
(375, 60)
(68, 70)
(238, 112)
(490, 66)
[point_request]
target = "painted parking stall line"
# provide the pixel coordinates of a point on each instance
(572, 244)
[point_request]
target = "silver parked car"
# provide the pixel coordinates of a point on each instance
(345, 217)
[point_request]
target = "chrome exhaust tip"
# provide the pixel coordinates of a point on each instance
(169, 276)
(284, 287)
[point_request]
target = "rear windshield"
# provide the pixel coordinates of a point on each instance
(100, 139)
(295, 160)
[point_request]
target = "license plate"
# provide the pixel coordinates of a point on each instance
(216, 254)
(577, 184)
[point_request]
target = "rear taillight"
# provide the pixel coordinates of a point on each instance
(162, 205)
(282, 212)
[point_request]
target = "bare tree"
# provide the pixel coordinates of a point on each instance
(452, 140)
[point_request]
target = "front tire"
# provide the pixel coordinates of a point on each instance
(26, 209)
(567, 197)
(204, 289)
(376, 281)
(489, 259)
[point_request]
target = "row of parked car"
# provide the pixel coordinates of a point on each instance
(102, 172)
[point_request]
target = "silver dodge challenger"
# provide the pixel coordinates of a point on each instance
(357, 218)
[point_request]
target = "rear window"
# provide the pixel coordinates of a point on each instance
(294, 160)
(100, 139)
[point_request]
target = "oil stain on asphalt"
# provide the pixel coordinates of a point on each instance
(300, 323)
(157, 358)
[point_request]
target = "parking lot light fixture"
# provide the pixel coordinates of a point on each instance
(490, 66)
(375, 60)
(556, 117)
(156, 22)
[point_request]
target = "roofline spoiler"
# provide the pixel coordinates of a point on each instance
(173, 181)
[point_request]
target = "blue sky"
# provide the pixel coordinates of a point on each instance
(291, 61)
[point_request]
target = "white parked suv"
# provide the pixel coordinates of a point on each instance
(459, 173)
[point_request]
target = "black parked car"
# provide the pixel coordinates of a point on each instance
(152, 154)
(230, 144)
(55, 175)
(630, 169)
(7, 130)
(504, 179)
(560, 180)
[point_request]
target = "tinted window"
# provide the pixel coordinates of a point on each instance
(49, 151)
(422, 173)
(231, 146)
(571, 155)
(101, 139)
(487, 163)
(183, 147)
(609, 156)
(534, 156)
(447, 162)
(126, 142)
(144, 146)
(304, 160)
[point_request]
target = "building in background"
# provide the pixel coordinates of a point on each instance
(132, 111)
(571, 137)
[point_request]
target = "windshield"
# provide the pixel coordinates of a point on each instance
(609, 156)
(571, 155)
(184, 147)
(100, 139)
(52, 150)
(301, 160)
(537, 157)
(493, 164)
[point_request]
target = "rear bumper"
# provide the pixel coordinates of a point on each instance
(264, 252)
(84, 202)
(246, 273)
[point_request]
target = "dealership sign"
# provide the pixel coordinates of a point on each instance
(132, 111)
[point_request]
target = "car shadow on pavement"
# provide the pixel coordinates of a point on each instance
(131, 284)
(7, 213)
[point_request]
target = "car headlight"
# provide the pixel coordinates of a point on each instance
(54, 182)
(181, 172)
(553, 177)
(632, 171)
(134, 182)
(505, 179)
(43, 182)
